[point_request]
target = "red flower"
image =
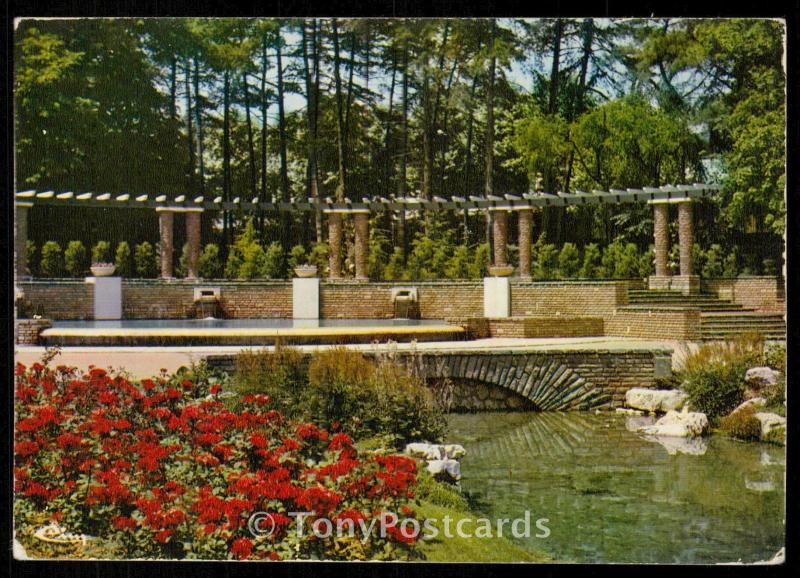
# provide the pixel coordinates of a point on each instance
(123, 523)
(242, 548)
(215, 389)
(163, 535)
(319, 500)
(25, 449)
(187, 384)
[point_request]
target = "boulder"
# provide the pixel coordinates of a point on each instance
(662, 400)
(684, 424)
(761, 376)
(636, 422)
(773, 426)
(425, 451)
(454, 451)
(755, 402)
(445, 469)
(18, 551)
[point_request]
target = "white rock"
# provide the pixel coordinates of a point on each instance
(759, 486)
(769, 422)
(451, 468)
(655, 399)
(425, 451)
(637, 422)
(684, 424)
(761, 376)
(454, 451)
(754, 403)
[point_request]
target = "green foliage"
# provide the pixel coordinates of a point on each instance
(101, 252)
(30, 251)
(342, 389)
(458, 267)
(145, 260)
(395, 268)
(319, 256)
(246, 258)
(440, 494)
(775, 356)
(75, 259)
(122, 259)
(647, 263)
(297, 256)
(52, 263)
(742, 425)
(545, 258)
(569, 261)
(480, 263)
(274, 262)
(713, 376)
(210, 264)
(592, 265)
(713, 265)
(730, 265)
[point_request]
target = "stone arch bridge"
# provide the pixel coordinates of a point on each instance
(545, 380)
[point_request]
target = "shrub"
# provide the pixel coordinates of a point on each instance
(75, 259)
(122, 259)
(770, 266)
(439, 494)
(592, 268)
(730, 265)
(775, 356)
(626, 265)
(30, 252)
(378, 253)
(395, 268)
(297, 256)
(245, 256)
(145, 260)
(546, 260)
(342, 388)
(480, 263)
(52, 263)
(569, 261)
(647, 263)
(742, 425)
(163, 469)
(714, 375)
(421, 261)
(458, 266)
(100, 252)
(319, 256)
(274, 262)
(209, 264)
(713, 266)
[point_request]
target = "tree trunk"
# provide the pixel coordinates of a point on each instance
(387, 140)
(340, 186)
(488, 182)
(311, 121)
(468, 163)
(226, 157)
(198, 114)
(282, 125)
(251, 148)
(552, 104)
(189, 128)
(348, 104)
(402, 184)
(264, 107)
(173, 88)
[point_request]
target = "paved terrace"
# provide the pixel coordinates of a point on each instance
(147, 361)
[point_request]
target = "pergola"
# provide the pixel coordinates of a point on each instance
(500, 206)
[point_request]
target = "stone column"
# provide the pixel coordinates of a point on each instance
(193, 240)
(525, 233)
(21, 239)
(661, 236)
(685, 237)
(361, 225)
(335, 245)
(500, 236)
(165, 224)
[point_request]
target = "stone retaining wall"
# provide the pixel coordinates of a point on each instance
(544, 326)
(27, 331)
(655, 323)
(767, 294)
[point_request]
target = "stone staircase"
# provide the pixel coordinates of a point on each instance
(719, 318)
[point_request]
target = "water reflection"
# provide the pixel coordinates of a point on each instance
(614, 496)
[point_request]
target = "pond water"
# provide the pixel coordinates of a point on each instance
(612, 496)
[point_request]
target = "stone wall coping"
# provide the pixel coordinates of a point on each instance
(666, 308)
(541, 317)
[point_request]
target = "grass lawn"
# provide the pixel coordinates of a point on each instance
(462, 549)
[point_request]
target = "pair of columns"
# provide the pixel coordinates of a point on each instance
(687, 281)
(335, 240)
(500, 239)
(166, 223)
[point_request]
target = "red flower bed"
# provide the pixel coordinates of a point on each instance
(164, 469)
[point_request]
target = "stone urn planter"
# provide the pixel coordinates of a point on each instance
(305, 271)
(103, 269)
(501, 271)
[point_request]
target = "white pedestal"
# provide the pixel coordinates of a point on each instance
(107, 297)
(496, 297)
(305, 298)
